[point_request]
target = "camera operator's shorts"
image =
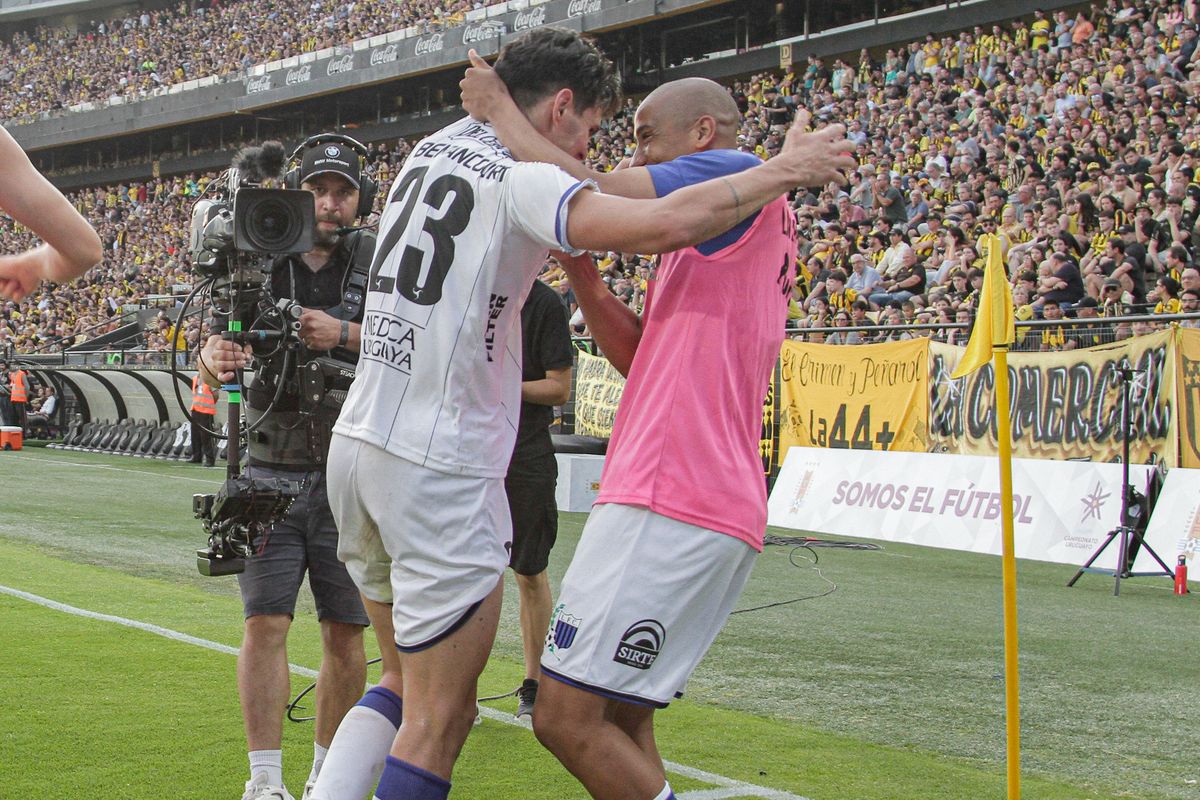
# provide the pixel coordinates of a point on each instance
(432, 544)
(641, 603)
(534, 513)
(306, 539)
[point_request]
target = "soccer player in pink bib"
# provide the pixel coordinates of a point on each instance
(682, 506)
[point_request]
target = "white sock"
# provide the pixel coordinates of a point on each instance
(270, 762)
(665, 794)
(356, 755)
(319, 754)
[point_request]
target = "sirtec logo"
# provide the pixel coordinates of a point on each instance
(483, 31)
(390, 53)
(533, 18)
(640, 644)
(262, 83)
(298, 75)
(340, 65)
(577, 8)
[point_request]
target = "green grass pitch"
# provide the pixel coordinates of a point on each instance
(890, 687)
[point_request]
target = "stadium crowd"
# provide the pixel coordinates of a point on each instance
(1073, 138)
(53, 68)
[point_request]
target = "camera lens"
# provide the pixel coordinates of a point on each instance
(273, 224)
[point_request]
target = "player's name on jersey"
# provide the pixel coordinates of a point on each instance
(489, 166)
(389, 340)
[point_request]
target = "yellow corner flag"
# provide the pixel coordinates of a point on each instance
(994, 332)
(994, 320)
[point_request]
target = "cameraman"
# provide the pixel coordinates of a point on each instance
(291, 443)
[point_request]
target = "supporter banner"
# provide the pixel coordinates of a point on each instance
(1187, 355)
(1063, 510)
(1066, 405)
(598, 388)
(1174, 528)
(868, 397)
(766, 439)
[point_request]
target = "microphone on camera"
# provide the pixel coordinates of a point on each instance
(256, 164)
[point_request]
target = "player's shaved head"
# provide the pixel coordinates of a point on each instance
(688, 99)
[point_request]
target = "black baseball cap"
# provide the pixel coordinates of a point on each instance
(330, 157)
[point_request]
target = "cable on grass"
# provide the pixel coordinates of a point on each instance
(798, 543)
(294, 707)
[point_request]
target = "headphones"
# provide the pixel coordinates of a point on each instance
(367, 187)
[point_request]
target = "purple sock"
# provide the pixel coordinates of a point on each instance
(403, 781)
(386, 702)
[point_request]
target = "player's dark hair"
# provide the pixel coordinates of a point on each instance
(548, 59)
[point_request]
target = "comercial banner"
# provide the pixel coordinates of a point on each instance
(868, 397)
(1187, 365)
(1063, 510)
(1065, 405)
(598, 388)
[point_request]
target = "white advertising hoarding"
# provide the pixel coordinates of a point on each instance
(1063, 510)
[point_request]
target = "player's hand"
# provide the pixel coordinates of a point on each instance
(19, 275)
(319, 330)
(481, 88)
(221, 357)
(819, 157)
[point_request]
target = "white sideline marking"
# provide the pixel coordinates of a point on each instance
(729, 787)
(44, 460)
(141, 626)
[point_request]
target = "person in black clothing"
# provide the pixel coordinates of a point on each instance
(292, 441)
(533, 471)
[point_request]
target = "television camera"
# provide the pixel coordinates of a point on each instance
(237, 233)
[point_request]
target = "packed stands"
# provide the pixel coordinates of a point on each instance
(1074, 138)
(53, 68)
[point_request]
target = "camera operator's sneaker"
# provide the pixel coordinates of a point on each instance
(257, 788)
(308, 787)
(526, 696)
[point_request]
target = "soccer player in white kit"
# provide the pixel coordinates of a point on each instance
(420, 451)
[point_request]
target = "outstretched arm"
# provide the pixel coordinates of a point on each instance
(70, 246)
(699, 212)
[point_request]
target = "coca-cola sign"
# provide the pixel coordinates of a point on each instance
(577, 8)
(339, 65)
(483, 31)
(434, 43)
(531, 18)
(298, 75)
(391, 52)
(261, 83)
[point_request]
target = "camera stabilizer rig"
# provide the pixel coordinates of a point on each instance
(235, 238)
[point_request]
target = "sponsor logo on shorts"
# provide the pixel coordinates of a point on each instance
(563, 627)
(641, 644)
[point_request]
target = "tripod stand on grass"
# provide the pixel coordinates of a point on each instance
(1134, 511)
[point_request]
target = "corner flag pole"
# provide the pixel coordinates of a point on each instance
(1012, 695)
(994, 331)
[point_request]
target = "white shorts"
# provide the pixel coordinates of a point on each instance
(432, 544)
(641, 603)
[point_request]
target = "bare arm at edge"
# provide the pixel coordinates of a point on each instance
(71, 246)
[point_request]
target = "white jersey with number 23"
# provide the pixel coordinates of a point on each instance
(464, 232)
